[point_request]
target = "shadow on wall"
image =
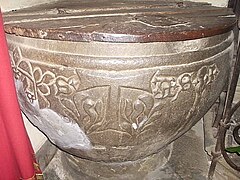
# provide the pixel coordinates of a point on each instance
(9, 5)
(222, 3)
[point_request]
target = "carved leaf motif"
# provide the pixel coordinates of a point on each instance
(44, 89)
(25, 68)
(17, 73)
(24, 71)
(63, 86)
(135, 111)
(205, 76)
(74, 81)
(141, 112)
(66, 85)
(127, 128)
(29, 88)
(148, 102)
(43, 81)
(138, 111)
(91, 105)
(25, 75)
(17, 54)
(128, 107)
(48, 78)
(95, 114)
(89, 108)
(99, 107)
(37, 74)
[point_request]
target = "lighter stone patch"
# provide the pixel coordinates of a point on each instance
(62, 131)
(134, 125)
(42, 34)
(161, 26)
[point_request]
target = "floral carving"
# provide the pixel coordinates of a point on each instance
(39, 82)
(23, 71)
(92, 105)
(139, 113)
(205, 76)
(86, 107)
(67, 86)
(170, 87)
(138, 109)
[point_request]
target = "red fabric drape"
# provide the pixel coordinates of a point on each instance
(16, 153)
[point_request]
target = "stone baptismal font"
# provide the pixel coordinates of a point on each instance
(114, 82)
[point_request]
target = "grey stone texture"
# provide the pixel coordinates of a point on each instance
(189, 161)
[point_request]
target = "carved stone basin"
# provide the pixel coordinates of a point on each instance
(118, 81)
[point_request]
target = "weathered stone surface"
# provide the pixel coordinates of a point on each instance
(188, 161)
(126, 108)
(123, 92)
(140, 169)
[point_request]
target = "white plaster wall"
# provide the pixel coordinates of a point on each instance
(36, 137)
(214, 2)
(8, 5)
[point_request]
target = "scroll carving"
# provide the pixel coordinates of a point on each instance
(92, 105)
(206, 75)
(63, 93)
(170, 87)
(139, 113)
(138, 109)
(40, 82)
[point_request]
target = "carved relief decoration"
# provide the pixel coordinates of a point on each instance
(138, 109)
(140, 113)
(62, 93)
